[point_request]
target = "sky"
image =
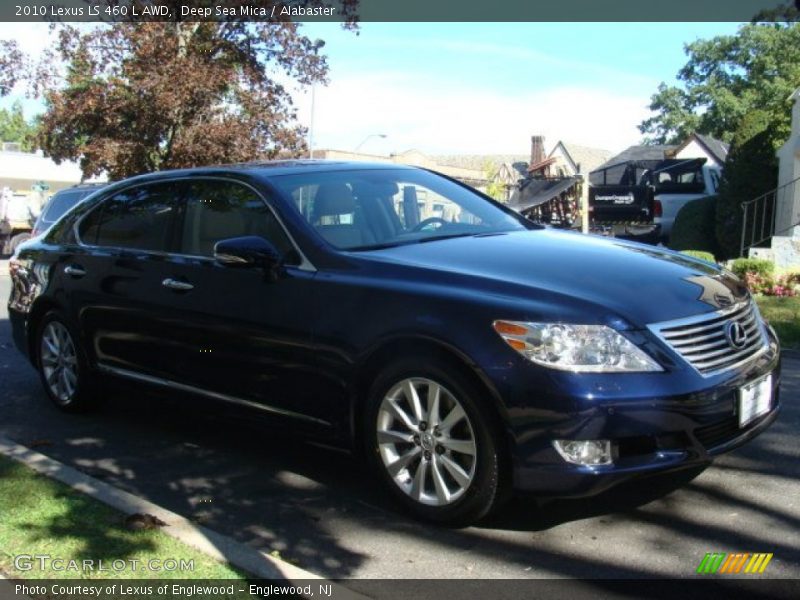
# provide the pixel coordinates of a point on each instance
(477, 88)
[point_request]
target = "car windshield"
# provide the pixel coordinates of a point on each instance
(59, 204)
(376, 208)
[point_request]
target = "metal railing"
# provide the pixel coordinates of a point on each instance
(759, 215)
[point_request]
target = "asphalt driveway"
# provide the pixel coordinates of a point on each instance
(321, 509)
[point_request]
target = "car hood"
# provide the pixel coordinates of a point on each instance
(642, 284)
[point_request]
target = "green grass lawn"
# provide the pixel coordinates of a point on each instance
(41, 516)
(784, 315)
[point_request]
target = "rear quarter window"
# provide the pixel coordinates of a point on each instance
(61, 203)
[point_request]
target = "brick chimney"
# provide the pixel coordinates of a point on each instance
(537, 149)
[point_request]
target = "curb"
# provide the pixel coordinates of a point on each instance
(216, 545)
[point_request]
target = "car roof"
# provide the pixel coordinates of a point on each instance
(266, 169)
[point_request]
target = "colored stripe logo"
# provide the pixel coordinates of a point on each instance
(734, 563)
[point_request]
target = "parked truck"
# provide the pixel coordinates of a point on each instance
(18, 213)
(640, 199)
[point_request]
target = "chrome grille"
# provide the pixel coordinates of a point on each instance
(703, 342)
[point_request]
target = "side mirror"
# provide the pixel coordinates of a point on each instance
(249, 251)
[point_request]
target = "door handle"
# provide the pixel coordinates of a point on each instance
(175, 284)
(75, 270)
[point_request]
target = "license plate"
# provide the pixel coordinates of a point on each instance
(755, 400)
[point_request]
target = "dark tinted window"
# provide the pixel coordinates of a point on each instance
(218, 210)
(140, 218)
(61, 203)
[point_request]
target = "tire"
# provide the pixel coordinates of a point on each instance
(62, 365)
(16, 241)
(446, 469)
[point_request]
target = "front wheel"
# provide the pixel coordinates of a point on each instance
(432, 440)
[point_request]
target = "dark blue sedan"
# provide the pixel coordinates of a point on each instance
(391, 309)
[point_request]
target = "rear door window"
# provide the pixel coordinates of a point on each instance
(139, 218)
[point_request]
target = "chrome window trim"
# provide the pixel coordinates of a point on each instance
(656, 328)
(161, 381)
(305, 264)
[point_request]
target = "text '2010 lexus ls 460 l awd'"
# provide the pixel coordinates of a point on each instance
(391, 309)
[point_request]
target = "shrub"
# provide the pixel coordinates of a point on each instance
(701, 254)
(758, 266)
(694, 226)
(751, 169)
(767, 285)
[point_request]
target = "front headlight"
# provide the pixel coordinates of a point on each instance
(578, 348)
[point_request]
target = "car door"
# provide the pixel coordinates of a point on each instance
(130, 234)
(235, 333)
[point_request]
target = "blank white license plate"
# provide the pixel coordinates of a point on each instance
(755, 400)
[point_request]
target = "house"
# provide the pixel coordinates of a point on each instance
(695, 146)
(641, 152)
(786, 242)
(573, 159)
(465, 172)
(702, 146)
(510, 173)
(554, 192)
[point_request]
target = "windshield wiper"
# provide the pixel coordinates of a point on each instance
(436, 238)
(385, 245)
(378, 246)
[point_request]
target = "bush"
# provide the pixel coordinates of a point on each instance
(751, 169)
(702, 255)
(757, 266)
(767, 285)
(694, 226)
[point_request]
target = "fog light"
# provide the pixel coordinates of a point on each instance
(584, 452)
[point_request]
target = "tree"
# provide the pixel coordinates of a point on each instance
(751, 169)
(14, 127)
(12, 63)
(494, 188)
(726, 78)
(142, 97)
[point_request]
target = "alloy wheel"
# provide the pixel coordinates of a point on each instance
(59, 362)
(426, 441)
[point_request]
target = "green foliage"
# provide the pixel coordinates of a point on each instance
(62, 522)
(759, 266)
(694, 227)
(14, 127)
(750, 170)
(702, 255)
(724, 79)
(495, 188)
(784, 315)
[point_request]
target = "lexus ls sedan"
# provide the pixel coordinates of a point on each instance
(465, 350)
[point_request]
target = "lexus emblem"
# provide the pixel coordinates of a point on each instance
(735, 334)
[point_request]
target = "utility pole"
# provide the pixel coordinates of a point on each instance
(311, 126)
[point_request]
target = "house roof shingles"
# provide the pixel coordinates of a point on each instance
(638, 153)
(478, 162)
(585, 158)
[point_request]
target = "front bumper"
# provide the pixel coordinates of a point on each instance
(650, 434)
